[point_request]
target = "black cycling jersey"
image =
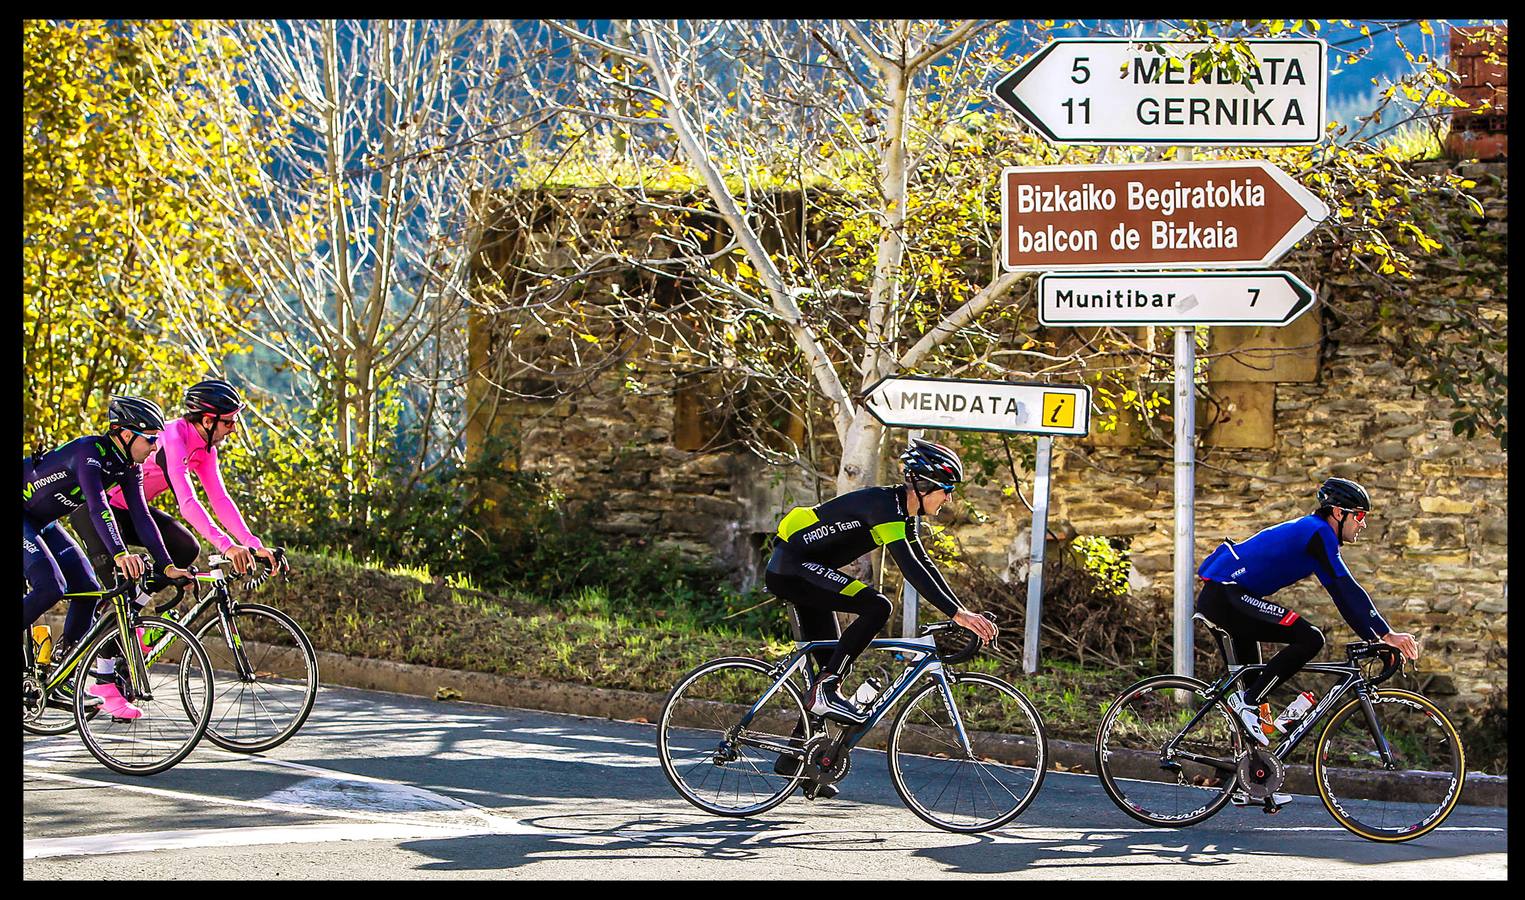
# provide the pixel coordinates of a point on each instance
(844, 528)
(78, 474)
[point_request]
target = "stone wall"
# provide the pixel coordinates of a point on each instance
(1294, 405)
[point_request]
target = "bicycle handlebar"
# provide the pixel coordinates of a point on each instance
(971, 646)
(1392, 659)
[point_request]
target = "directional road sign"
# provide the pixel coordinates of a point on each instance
(1235, 214)
(1177, 298)
(965, 405)
(1123, 91)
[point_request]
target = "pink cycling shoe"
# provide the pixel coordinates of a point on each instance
(112, 701)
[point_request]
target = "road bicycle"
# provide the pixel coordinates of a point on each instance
(254, 708)
(173, 689)
(967, 752)
(1388, 764)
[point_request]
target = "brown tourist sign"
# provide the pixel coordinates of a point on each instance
(1245, 213)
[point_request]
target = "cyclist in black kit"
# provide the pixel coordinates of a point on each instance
(814, 541)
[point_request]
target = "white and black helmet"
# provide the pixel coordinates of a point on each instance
(1343, 493)
(212, 397)
(931, 462)
(135, 413)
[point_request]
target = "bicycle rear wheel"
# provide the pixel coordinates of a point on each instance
(1162, 758)
(713, 759)
(974, 772)
(254, 708)
(169, 727)
(51, 717)
(1363, 794)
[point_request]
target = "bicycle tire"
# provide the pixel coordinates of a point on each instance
(701, 754)
(1404, 811)
(1027, 774)
(1131, 781)
(294, 710)
(162, 725)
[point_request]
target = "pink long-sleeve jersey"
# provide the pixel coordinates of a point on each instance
(183, 450)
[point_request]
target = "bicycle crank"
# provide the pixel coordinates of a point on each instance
(1261, 773)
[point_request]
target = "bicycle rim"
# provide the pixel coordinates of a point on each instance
(710, 759)
(978, 787)
(168, 729)
(1371, 800)
(1156, 788)
(260, 711)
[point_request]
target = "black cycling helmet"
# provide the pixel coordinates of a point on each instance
(212, 397)
(931, 462)
(1344, 493)
(135, 413)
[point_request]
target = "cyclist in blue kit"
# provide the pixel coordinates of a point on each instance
(1237, 579)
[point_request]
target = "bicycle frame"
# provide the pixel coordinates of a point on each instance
(1352, 679)
(124, 619)
(217, 595)
(925, 663)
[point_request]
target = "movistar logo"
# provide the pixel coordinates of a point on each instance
(27, 489)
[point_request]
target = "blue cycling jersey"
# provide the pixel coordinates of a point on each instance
(77, 474)
(1287, 553)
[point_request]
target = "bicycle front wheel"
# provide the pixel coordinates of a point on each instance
(721, 761)
(1162, 757)
(266, 675)
(1366, 795)
(968, 754)
(168, 728)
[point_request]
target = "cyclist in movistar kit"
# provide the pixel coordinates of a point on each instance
(189, 445)
(75, 476)
(814, 541)
(1238, 577)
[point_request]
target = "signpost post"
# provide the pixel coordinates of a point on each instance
(1167, 215)
(1004, 406)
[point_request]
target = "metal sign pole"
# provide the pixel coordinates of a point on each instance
(1035, 559)
(1186, 483)
(909, 599)
(1185, 491)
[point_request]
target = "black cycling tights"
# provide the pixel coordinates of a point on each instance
(815, 600)
(1250, 620)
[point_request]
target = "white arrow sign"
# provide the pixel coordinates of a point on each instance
(1127, 91)
(1177, 298)
(966, 405)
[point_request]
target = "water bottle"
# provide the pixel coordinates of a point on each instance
(42, 643)
(1295, 710)
(152, 633)
(868, 692)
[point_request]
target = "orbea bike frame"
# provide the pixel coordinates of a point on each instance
(924, 662)
(1353, 679)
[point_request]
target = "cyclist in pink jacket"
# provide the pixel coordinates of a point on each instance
(189, 444)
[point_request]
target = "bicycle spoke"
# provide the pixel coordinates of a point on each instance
(1367, 797)
(728, 776)
(946, 781)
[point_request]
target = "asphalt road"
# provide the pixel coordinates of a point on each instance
(387, 786)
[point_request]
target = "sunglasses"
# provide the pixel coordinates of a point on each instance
(151, 438)
(1360, 514)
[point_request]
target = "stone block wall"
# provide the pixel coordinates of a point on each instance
(1294, 405)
